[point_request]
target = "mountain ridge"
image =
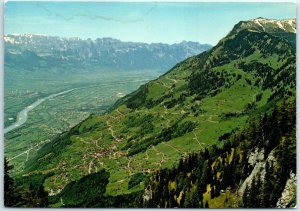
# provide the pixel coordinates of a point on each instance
(268, 25)
(107, 53)
(9, 38)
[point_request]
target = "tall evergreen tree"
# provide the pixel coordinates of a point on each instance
(268, 186)
(9, 194)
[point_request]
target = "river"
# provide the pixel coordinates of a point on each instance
(23, 115)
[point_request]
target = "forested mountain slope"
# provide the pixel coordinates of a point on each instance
(212, 105)
(251, 169)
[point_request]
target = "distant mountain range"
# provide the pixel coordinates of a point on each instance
(31, 52)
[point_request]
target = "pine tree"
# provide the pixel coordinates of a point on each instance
(268, 186)
(245, 197)
(204, 178)
(254, 193)
(42, 197)
(195, 199)
(258, 192)
(9, 195)
(212, 191)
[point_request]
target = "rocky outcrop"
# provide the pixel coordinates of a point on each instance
(147, 195)
(256, 159)
(256, 156)
(288, 197)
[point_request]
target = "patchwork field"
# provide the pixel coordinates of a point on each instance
(94, 93)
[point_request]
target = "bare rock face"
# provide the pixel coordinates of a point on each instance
(147, 195)
(257, 171)
(256, 156)
(256, 159)
(288, 196)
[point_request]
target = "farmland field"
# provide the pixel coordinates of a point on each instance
(92, 93)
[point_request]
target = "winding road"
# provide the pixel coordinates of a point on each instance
(23, 115)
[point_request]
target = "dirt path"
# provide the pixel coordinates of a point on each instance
(162, 159)
(112, 132)
(171, 79)
(165, 85)
(119, 112)
(160, 153)
(95, 141)
(27, 154)
(210, 119)
(128, 166)
(28, 150)
(173, 113)
(82, 140)
(171, 146)
(196, 138)
(90, 166)
(62, 202)
(147, 156)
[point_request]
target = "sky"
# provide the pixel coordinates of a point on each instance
(148, 22)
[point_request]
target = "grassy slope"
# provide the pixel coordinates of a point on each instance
(100, 141)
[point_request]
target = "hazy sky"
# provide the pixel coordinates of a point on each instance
(143, 22)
